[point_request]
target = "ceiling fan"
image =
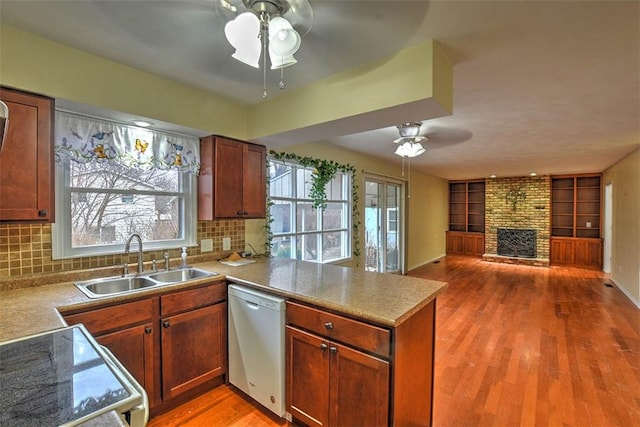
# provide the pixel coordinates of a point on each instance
(411, 140)
(267, 27)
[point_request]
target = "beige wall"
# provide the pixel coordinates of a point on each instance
(625, 251)
(35, 64)
(427, 206)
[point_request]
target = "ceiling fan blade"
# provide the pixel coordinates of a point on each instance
(300, 15)
(437, 135)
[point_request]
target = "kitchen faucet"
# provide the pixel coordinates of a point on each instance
(126, 250)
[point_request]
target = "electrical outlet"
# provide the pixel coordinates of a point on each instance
(206, 245)
(226, 243)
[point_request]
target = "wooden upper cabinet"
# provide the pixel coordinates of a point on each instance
(232, 182)
(26, 159)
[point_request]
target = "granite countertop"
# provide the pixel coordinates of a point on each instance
(385, 299)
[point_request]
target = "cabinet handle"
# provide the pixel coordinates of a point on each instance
(239, 213)
(328, 325)
(333, 349)
(147, 330)
(323, 346)
(43, 213)
(166, 324)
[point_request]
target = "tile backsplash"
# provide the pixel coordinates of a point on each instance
(25, 249)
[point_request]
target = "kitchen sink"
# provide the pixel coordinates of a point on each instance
(107, 286)
(183, 275)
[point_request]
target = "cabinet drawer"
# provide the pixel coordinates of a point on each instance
(348, 331)
(193, 298)
(106, 319)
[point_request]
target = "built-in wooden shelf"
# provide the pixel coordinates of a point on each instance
(466, 217)
(576, 203)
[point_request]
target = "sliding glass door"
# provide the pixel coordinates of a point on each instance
(384, 225)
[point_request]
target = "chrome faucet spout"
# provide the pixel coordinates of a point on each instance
(127, 246)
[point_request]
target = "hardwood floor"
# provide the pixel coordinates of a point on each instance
(223, 406)
(519, 345)
(515, 345)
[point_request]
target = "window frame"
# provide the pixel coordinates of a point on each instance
(61, 230)
(294, 235)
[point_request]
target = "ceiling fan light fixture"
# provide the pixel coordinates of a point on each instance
(284, 41)
(403, 139)
(410, 149)
(242, 33)
(410, 129)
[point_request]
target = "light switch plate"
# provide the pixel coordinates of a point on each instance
(226, 243)
(206, 245)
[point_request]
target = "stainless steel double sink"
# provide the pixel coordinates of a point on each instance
(109, 286)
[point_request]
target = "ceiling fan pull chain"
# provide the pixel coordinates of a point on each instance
(409, 179)
(264, 29)
(281, 84)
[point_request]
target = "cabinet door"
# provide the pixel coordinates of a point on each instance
(227, 197)
(134, 348)
(588, 252)
(474, 244)
(562, 251)
(359, 388)
(26, 160)
(455, 243)
(194, 348)
(307, 388)
(254, 191)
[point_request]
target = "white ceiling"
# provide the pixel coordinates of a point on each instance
(539, 86)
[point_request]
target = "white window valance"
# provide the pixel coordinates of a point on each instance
(86, 139)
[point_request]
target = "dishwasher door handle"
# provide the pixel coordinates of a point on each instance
(252, 305)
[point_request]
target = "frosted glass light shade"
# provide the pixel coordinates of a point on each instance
(242, 33)
(284, 41)
(409, 149)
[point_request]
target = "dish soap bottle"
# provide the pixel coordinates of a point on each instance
(183, 257)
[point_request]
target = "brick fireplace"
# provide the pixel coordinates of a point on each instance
(522, 206)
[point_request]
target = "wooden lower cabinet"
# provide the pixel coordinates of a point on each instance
(338, 386)
(463, 243)
(134, 347)
(576, 252)
(359, 388)
(339, 369)
(193, 348)
(308, 395)
(171, 344)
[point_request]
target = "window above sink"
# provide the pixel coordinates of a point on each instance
(113, 180)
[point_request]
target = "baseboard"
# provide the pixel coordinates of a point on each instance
(413, 267)
(626, 293)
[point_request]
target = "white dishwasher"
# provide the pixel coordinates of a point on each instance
(256, 346)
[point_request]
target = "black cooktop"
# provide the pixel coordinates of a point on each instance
(59, 378)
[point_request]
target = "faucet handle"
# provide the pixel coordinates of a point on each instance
(166, 261)
(154, 265)
(125, 269)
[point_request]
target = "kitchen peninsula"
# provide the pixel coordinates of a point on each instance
(382, 318)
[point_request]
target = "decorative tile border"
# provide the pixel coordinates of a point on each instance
(25, 249)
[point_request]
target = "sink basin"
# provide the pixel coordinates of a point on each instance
(183, 275)
(114, 285)
(120, 285)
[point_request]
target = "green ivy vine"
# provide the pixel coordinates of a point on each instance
(323, 172)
